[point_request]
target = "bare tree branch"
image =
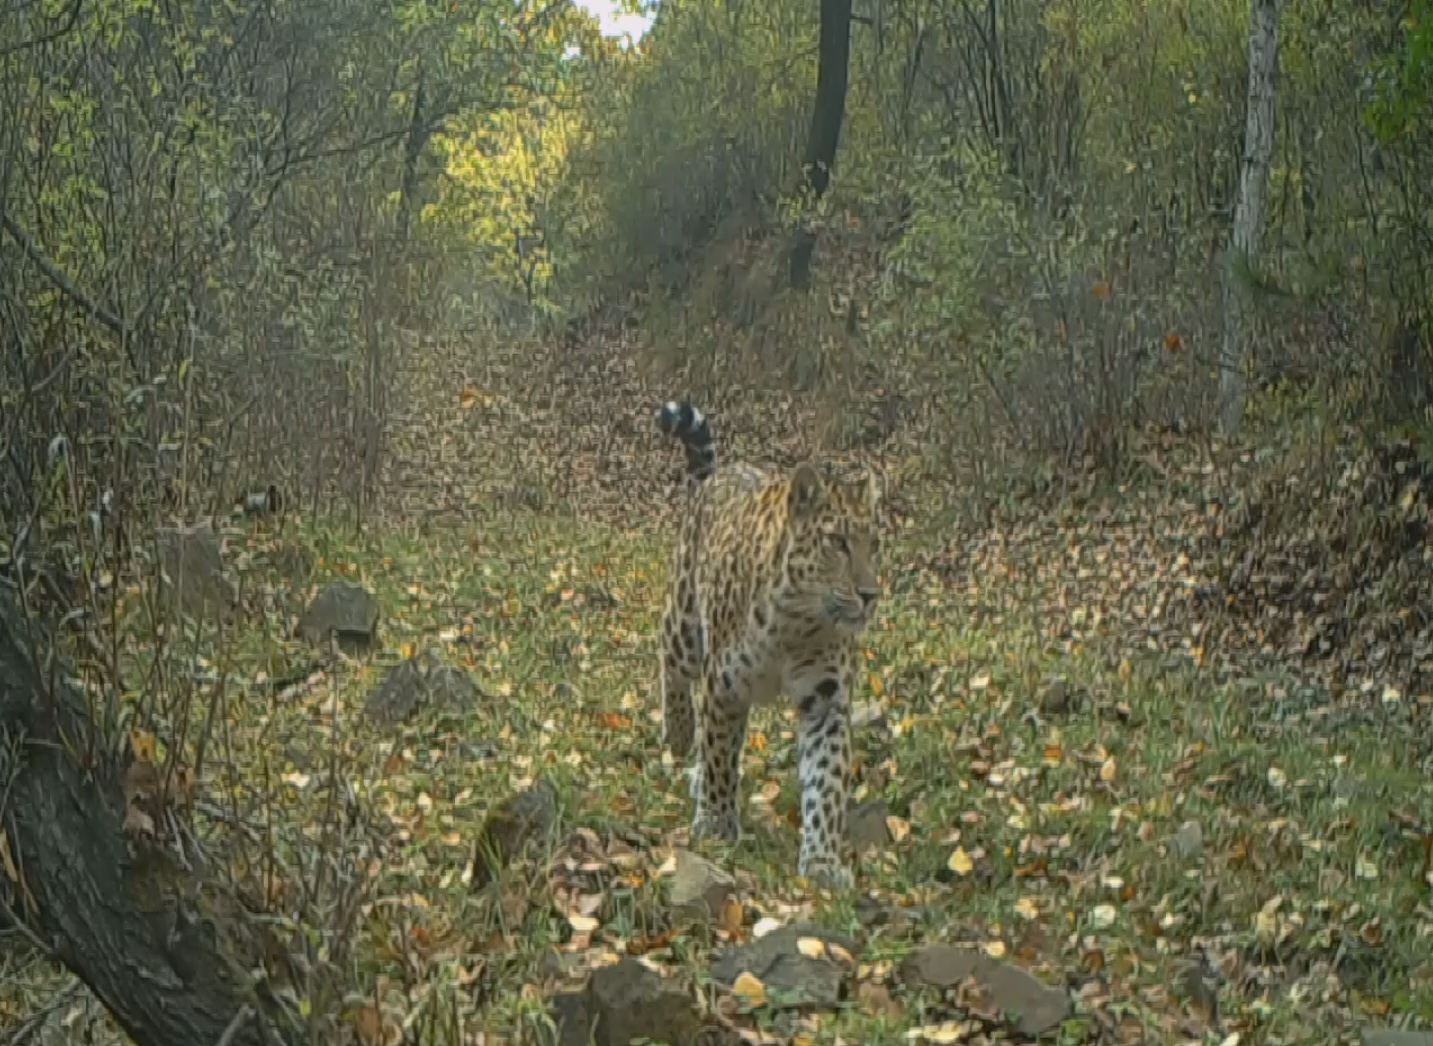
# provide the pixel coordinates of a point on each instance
(52, 272)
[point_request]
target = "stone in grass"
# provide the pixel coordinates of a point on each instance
(192, 574)
(625, 1002)
(396, 696)
(1187, 844)
(522, 818)
(342, 612)
(449, 687)
(700, 889)
(1033, 1006)
(796, 973)
(1396, 1037)
(416, 682)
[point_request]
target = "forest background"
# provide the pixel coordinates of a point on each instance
(1130, 301)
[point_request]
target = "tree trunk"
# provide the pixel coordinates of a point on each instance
(827, 115)
(419, 128)
(1249, 208)
(115, 909)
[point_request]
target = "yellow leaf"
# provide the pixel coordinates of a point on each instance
(1266, 924)
(732, 915)
(960, 862)
(1028, 908)
(995, 949)
(899, 827)
(1107, 770)
(811, 947)
(749, 989)
(143, 746)
(876, 685)
(945, 1032)
(1126, 670)
(582, 923)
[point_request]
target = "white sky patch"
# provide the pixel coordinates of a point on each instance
(615, 22)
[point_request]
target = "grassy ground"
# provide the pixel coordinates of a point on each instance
(1201, 841)
(1054, 824)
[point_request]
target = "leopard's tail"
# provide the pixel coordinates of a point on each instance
(691, 426)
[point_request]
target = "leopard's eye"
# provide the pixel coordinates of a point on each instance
(842, 543)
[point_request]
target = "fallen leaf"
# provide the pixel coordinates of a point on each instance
(143, 746)
(583, 923)
(811, 947)
(899, 827)
(732, 915)
(945, 1032)
(764, 926)
(1103, 916)
(749, 990)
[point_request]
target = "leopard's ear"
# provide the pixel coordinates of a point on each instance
(807, 491)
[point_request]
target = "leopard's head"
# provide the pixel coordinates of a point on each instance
(831, 548)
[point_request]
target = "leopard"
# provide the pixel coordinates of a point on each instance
(772, 583)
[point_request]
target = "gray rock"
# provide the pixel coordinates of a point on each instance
(416, 683)
(939, 966)
(572, 1017)
(630, 1001)
(699, 887)
(396, 696)
(341, 612)
(1396, 1037)
(450, 688)
(1033, 1006)
(522, 818)
(792, 979)
(192, 575)
(1187, 844)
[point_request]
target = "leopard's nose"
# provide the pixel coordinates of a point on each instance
(868, 597)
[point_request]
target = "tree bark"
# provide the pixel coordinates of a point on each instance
(419, 130)
(827, 115)
(119, 912)
(1244, 240)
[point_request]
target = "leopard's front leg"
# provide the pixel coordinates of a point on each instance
(822, 692)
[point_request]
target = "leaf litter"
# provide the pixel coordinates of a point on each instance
(1150, 756)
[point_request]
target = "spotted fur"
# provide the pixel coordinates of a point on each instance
(773, 580)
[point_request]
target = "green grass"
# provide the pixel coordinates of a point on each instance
(1066, 816)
